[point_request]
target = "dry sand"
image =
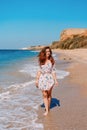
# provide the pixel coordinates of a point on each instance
(75, 54)
(69, 101)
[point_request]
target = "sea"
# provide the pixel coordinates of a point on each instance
(19, 97)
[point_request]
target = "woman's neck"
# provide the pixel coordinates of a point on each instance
(47, 60)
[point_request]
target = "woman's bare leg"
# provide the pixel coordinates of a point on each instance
(46, 103)
(49, 97)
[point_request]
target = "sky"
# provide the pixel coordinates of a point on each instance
(25, 23)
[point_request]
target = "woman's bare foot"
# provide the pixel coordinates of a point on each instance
(45, 114)
(48, 109)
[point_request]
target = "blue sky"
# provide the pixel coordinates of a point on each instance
(26, 23)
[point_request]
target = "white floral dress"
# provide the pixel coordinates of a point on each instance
(46, 80)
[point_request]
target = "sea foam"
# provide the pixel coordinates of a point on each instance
(32, 69)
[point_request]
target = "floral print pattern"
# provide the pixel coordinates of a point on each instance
(46, 80)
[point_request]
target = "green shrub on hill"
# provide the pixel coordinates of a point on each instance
(76, 41)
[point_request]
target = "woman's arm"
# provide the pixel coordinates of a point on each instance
(54, 75)
(37, 77)
(55, 79)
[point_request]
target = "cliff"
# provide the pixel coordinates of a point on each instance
(71, 38)
(70, 32)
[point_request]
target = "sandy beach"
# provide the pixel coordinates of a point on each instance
(69, 100)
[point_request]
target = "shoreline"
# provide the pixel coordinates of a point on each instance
(70, 114)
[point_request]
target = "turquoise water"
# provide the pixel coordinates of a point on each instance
(19, 66)
(8, 57)
(18, 105)
(11, 62)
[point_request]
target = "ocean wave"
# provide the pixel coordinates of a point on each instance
(19, 105)
(32, 69)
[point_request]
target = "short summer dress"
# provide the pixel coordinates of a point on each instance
(46, 80)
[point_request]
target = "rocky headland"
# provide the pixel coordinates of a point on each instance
(71, 38)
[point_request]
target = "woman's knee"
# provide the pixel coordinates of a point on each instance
(45, 94)
(50, 93)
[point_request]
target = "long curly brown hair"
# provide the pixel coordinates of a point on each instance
(42, 56)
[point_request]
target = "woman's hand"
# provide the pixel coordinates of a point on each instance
(56, 83)
(37, 78)
(36, 83)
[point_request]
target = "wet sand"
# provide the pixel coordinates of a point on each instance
(69, 100)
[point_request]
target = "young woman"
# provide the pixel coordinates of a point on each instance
(46, 76)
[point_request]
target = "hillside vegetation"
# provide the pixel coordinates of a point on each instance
(75, 41)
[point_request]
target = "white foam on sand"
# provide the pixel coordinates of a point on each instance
(4, 95)
(20, 102)
(61, 74)
(32, 69)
